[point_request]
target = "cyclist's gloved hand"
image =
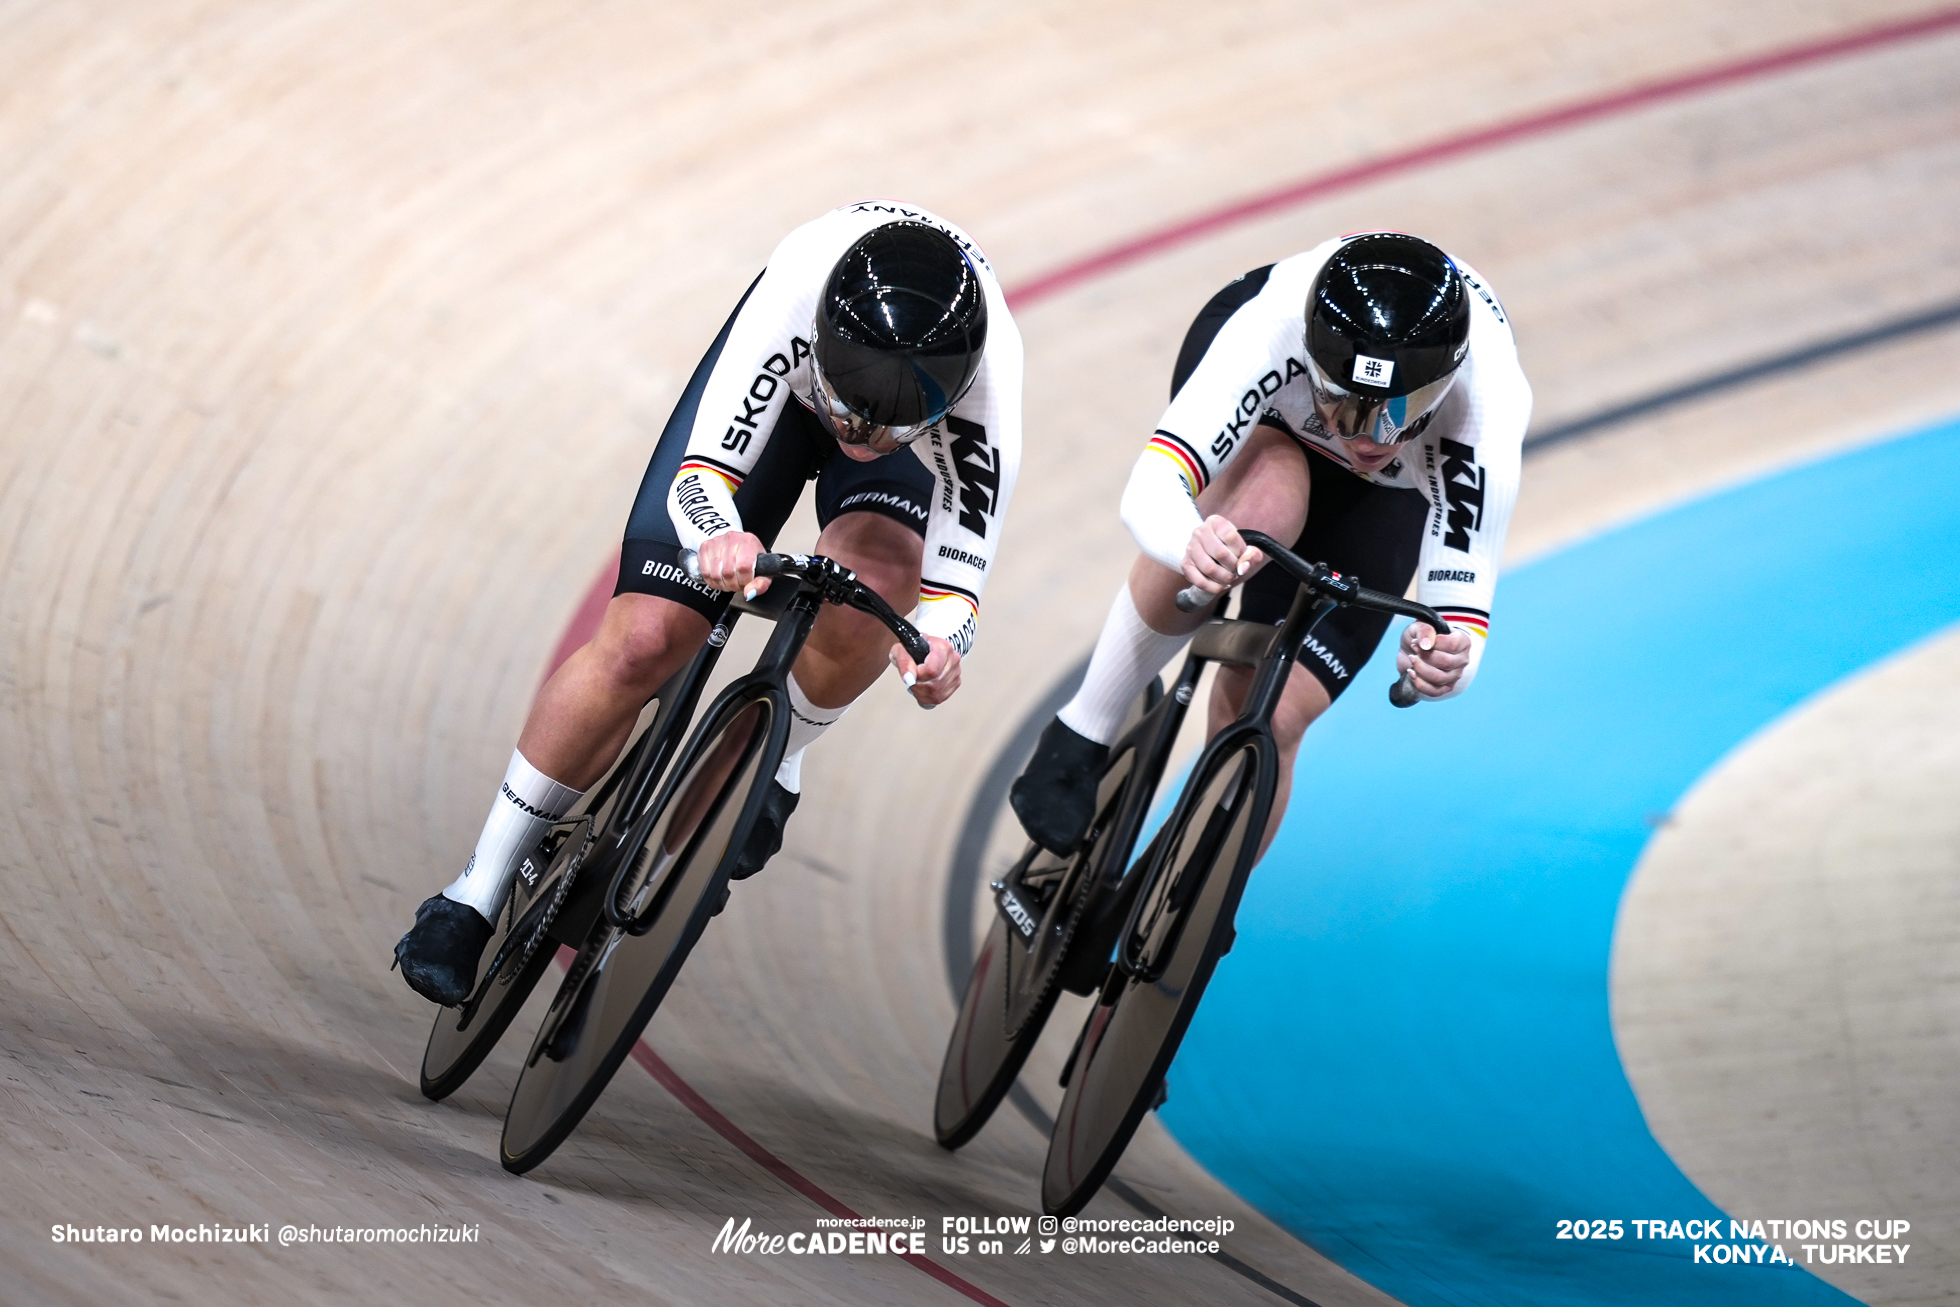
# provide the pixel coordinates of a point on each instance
(727, 562)
(1216, 558)
(933, 682)
(1437, 661)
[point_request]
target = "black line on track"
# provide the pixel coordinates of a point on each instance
(970, 850)
(1817, 352)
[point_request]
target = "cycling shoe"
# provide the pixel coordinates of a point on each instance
(438, 955)
(766, 838)
(1055, 797)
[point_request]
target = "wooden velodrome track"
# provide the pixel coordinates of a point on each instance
(333, 338)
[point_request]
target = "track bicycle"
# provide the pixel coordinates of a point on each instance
(1059, 921)
(586, 846)
(634, 929)
(1187, 890)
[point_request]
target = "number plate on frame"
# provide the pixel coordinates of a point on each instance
(1015, 911)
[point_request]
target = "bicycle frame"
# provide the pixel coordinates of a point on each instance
(1190, 882)
(677, 699)
(686, 686)
(796, 612)
(1151, 739)
(1253, 724)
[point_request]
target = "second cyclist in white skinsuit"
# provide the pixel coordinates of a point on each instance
(1362, 401)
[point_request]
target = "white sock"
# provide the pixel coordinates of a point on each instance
(1128, 654)
(807, 722)
(528, 803)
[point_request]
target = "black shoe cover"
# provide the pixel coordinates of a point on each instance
(438, 955)
(1055, 798)
(766, 837)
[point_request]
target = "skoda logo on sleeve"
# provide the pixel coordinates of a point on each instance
(1372, 372)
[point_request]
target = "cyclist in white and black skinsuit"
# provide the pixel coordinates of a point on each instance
(876, 326)
(1363, 400)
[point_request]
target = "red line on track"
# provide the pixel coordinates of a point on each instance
(1569, 115)
(671, 1081)
(585, 623)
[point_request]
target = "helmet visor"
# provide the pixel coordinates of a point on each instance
(853, 428)
(1351, 415)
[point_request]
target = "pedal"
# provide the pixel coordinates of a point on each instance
(1068, 1067)
(1015, 911)
(564, 1040)
(1085, 979)
(1112, 987)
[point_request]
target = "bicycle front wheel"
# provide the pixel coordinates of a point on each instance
(1183, 926)
(673, 888)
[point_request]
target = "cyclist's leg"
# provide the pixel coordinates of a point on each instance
(873, 518)
(657, 620)
(1055, 795)
(585, 711)
(848, 649)
(1305, 698)
(577, 726)
(1364, 530)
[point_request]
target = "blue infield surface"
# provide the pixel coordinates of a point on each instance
(1408, 1060)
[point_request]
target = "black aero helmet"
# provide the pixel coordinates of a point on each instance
(1388, 322)
(901, 325)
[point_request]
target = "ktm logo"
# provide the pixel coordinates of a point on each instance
(978, 467)
(1463, 491)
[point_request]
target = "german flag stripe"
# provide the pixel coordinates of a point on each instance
(934, 590)
(728, 468)
(929, 594)
(731, 479)
(1469, 621)
(1187, 462)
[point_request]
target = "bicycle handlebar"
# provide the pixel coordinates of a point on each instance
(834, 584)
(839, 585)
(1330, 584)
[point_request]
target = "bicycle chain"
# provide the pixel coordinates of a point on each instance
(1084, 879)
(558, 898)
(497, 973)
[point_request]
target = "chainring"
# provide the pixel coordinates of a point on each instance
(528, 938)
(1034, 982)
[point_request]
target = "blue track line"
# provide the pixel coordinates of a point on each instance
(1408, 1059)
